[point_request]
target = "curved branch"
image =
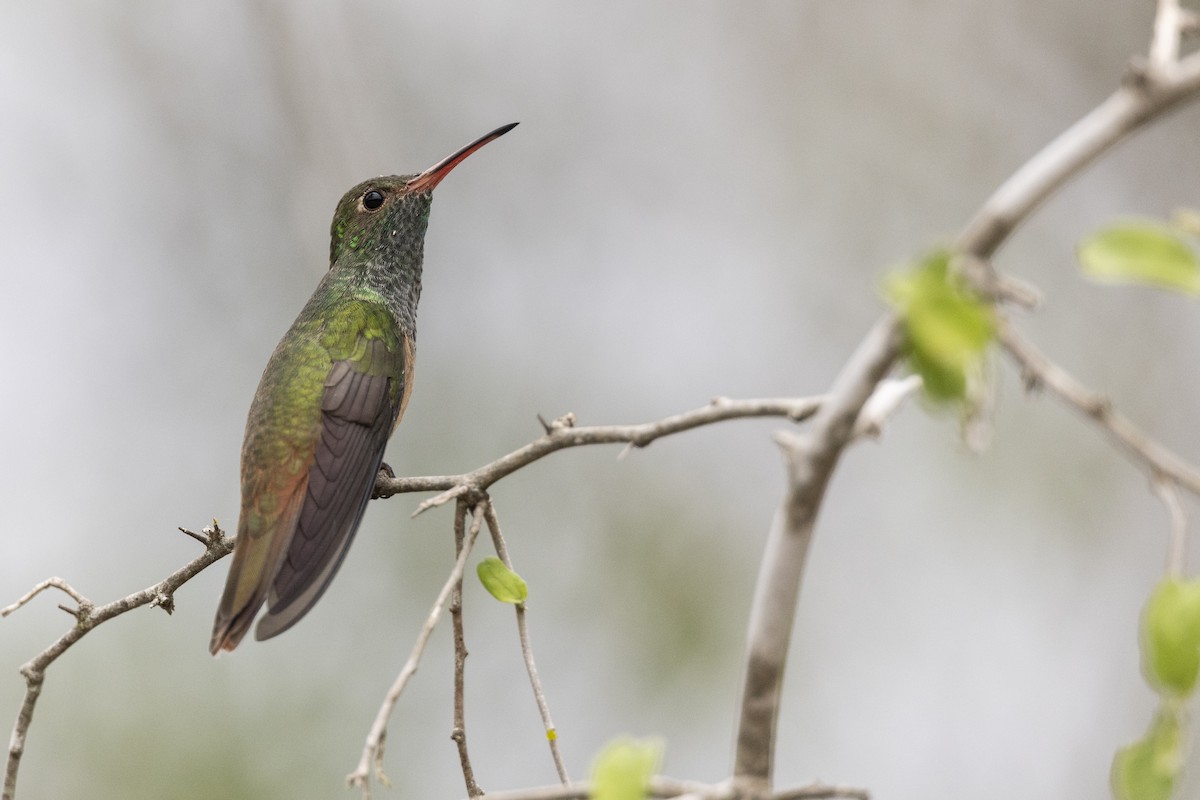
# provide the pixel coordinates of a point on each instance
(1150, 93)
(216, 546)
(562, 434)
(810, 459)
(1040, 371)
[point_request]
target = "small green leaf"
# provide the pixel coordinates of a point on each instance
(503, 584)
(947, 326)
(624, 768)
(1142, 252)
(1171, 636)
(1147, 769)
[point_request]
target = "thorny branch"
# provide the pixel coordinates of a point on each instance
(216, 546)
(559, 434)
(372, 755)
(562, 433)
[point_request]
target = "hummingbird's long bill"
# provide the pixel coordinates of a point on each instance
(433, 176)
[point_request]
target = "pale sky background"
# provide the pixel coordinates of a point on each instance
(700, 200)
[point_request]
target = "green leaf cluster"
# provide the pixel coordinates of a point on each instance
(1148, 768)
(1145, 252)
(947, 325)
(1165, 256)
(623, 769)
(501, 582)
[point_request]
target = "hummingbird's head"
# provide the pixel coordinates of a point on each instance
(390, 214)
(377, 215)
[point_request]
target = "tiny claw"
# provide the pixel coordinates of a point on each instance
(386, 473)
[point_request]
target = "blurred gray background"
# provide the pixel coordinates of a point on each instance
(700, 201)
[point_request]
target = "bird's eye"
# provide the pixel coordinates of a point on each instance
(372, 199)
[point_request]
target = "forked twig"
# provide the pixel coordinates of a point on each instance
(84, 605)
(372, 755)
(216, 546)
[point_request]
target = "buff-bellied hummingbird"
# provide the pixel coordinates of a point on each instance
(329, 398)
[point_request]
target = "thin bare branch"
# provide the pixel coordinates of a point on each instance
(1041, 372)
(373, 749)
(820, 791)
(563, 434)
(85, 605)
(459, 733)
(87, 617)
(459, 491)
(493, 523)
(661, 787)
(1177, 548)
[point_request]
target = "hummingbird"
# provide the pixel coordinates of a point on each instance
(331, 394)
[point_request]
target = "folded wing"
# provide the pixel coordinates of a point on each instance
(360, 403)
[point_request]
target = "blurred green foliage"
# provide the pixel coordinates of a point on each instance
(623, 769)
(1142, 251)
(947, 326)
(1148, 768)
